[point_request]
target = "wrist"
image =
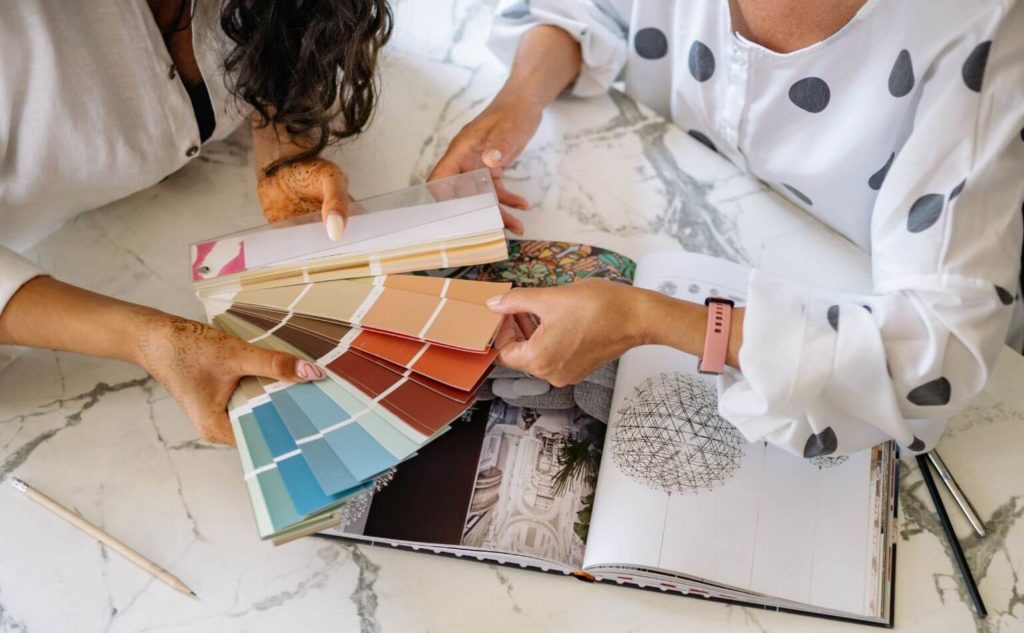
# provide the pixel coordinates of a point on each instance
(663, 320)
(519, 99)
(142, 328)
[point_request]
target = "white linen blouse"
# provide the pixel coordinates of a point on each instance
(903, 132)
(92, 110)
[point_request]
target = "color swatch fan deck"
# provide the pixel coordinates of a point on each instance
(404, 354)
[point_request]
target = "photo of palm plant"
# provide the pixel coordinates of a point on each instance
(535, 483)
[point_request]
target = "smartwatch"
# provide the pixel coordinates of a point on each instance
(716, 339)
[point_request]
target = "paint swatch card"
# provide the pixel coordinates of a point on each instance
(462, 211)
(403, 354)
(435, 318)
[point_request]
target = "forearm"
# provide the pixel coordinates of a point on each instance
(49, 314)
(272, 143)
(682, 324)
(547, 60)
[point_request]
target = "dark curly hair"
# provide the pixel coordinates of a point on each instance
(308, 66)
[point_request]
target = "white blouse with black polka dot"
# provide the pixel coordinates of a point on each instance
(903, 131)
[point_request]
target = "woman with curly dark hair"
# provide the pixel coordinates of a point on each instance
(99, 100)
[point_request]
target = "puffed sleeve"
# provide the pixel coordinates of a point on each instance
(15, 270)
(600, 26)
(830, 373)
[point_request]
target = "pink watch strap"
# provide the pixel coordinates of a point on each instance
(716, 339)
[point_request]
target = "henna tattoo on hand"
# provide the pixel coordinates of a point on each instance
(295, 189)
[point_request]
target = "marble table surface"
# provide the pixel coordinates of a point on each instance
(108, 441)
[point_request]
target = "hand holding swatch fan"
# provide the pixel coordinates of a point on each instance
(404, 354)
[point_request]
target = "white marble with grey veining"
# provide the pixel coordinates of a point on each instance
(108, 441)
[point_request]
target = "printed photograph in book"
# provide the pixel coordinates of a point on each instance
(545, 263)
(534, 489)
(515, 481)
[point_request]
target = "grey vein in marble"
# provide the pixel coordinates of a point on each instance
(90, 398)
(920, 516)
(198, 445)
(749, 617)
(196, 533)
(506, 582)
(7, 623)
(461, 23)
(697, 224)
(364, 596)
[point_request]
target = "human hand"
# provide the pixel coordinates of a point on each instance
(299, 188)
(201, 366)
(582, 326)
(494, 139)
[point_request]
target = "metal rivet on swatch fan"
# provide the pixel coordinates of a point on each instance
(192, 151)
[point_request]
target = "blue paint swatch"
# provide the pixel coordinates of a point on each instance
(305, 492)
(275, 496)
(357, 448)
(323, 461)
(363, 456)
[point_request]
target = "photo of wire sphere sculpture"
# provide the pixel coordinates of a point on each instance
(670, 437)
(828, 461)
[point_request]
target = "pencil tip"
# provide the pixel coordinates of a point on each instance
(193, 594)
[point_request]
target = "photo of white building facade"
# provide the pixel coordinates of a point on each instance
(515, 506)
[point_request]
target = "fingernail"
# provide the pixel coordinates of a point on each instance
(494, 156)
(308, 371)
(494, 301)
(335, 225)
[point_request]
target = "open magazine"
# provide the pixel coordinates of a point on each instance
(666, 496)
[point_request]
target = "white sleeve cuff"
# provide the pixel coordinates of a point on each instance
(814, 378)
(602, 40)
(15, 271)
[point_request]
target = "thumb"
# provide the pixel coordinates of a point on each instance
(506, 141)
(335, 208)
(517, 301)
(216, 429)
(255, 361)
(501, 148)
(516, 356)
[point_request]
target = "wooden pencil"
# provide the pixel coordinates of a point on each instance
(155, 570)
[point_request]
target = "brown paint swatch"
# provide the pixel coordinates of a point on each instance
(425, 410)
(440, 388)
(459, 369)
(462, 370)
(416, 315)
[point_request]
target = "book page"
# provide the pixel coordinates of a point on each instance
(681, 490)
(535, 483)
(511, 481)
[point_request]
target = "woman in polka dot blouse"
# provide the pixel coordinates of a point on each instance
(898, 123)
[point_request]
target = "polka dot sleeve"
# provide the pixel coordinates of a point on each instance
(827, 373)
(15, 270)
(598, 25)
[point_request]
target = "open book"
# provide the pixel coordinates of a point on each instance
(666, 496)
